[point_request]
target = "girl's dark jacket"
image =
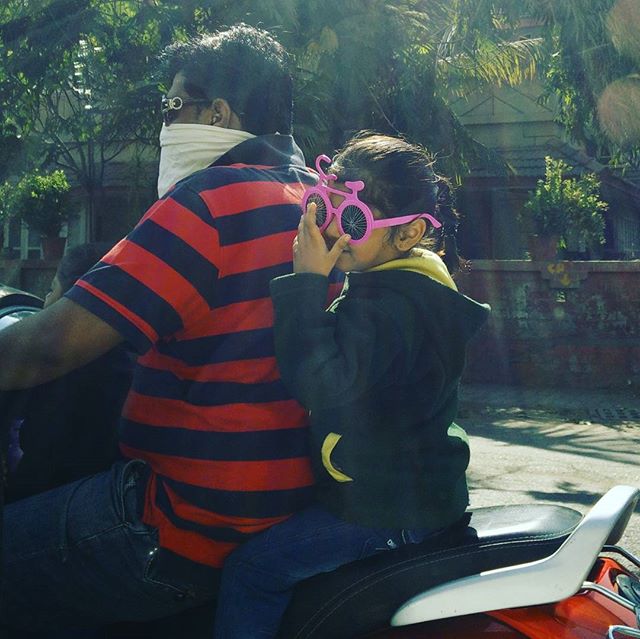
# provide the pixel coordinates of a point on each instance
(379, 373)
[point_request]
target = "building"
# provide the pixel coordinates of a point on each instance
(520, 130)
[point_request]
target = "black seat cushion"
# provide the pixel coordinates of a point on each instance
(361, 597)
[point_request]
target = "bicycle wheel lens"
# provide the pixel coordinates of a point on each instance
(321, 208)
(354, 222)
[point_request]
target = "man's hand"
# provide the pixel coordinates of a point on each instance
(310, 252)
(50, 343)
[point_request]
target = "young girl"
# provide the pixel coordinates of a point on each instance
(378, 371)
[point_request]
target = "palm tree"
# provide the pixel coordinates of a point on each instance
(395, 66)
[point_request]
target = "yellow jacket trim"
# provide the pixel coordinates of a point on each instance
(329, 443)
(424, 262)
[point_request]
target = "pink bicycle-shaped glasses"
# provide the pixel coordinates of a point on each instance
(352, 215)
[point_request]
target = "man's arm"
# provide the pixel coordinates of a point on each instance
(50, 343)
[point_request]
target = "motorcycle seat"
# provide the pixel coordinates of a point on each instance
(361, 597)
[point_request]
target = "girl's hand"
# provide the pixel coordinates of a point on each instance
(310, 252)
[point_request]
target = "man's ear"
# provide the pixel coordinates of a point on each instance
(222, 115)
(409, 235)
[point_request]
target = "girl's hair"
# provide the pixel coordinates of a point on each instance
(399, 180)
(78, 260)
(446, 244)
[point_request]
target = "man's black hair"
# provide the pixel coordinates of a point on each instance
(245, 66)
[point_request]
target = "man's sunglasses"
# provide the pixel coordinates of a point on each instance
(353, 216)
(171, 106)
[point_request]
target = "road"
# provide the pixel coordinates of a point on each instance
(524, 456)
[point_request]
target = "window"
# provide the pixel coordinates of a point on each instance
(19, 242)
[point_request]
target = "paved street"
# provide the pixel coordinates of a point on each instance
(547, 446)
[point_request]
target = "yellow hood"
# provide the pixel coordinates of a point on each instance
(423, 262)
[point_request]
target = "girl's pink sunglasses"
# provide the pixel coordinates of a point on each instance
(352, 215)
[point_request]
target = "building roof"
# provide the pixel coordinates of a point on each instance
(528, 161)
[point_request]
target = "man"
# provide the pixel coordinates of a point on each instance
(214, 447)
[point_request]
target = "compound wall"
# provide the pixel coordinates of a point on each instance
(575, 324)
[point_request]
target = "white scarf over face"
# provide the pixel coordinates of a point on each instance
(187, 148)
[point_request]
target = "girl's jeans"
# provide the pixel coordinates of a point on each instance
(259, 576)
(80, 556)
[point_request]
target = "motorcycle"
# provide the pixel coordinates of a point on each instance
(531, 571)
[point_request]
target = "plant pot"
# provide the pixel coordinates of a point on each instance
(543, 248)
(53, 247)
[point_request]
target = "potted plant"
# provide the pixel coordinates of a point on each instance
(562, 207)
(42, 201)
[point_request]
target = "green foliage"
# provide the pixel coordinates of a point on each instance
(79, 75)
(562, 205)
(40, 200)
(75, 84)
(5, 203)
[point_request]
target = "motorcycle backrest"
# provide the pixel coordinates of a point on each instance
(548, 580)
(620, 526)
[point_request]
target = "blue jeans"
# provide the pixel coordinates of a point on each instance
(259, 576)
(79, 556)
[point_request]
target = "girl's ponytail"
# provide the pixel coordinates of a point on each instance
(446, 244)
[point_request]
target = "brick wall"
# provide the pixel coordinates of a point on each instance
(575, 324)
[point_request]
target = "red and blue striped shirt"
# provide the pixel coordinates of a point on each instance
(189, 289)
